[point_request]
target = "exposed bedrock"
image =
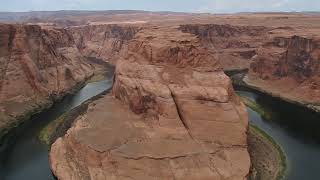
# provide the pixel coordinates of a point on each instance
(173, 115)
(282, 61)
(233, 45)
(294, 56)
(37, 66)
(289, 67)
(103, 41)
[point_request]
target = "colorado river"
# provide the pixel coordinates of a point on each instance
(26, 157)
(295, 129)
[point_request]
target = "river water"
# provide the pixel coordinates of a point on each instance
(295, 129)
(26, 158)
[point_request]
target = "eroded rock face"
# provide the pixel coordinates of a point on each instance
(294, 56)
(289, 66)
(37, 66)
(233, 45)
(103, 41)
(282, 61)
(174, 115)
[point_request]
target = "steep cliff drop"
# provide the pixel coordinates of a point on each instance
(234, 46)
(288, 66)
(282, 61)
(37, 67)
(103, 41)
(173, 115)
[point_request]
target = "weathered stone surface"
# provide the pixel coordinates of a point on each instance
(234, 46)
(282, 61)
(118, 144)
(37, 66)
(103, 41)
(174, 115)
(289, 67)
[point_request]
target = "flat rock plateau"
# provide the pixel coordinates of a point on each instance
(172, 113)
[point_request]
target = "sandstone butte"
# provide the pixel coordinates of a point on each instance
(173, 114)
(37, 67)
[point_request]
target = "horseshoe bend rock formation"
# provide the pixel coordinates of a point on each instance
(103, 41)
(37, 66)
(173, 114)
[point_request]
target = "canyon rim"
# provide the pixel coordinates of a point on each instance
(172, 112)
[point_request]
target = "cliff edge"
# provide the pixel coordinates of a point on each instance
(173, 115)
(37, 67)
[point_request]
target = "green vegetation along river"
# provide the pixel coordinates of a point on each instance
(295, 129)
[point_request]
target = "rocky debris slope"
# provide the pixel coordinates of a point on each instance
(173, 115)
(288, 65)
(37, 66)
(103, 41)
(233, 45)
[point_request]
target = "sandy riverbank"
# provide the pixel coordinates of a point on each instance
(267, 159)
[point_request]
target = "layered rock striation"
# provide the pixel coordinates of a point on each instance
(37, 66)
(173, 115)
(282, 61)
(234, 46)
(103, 41)
(289, 67)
